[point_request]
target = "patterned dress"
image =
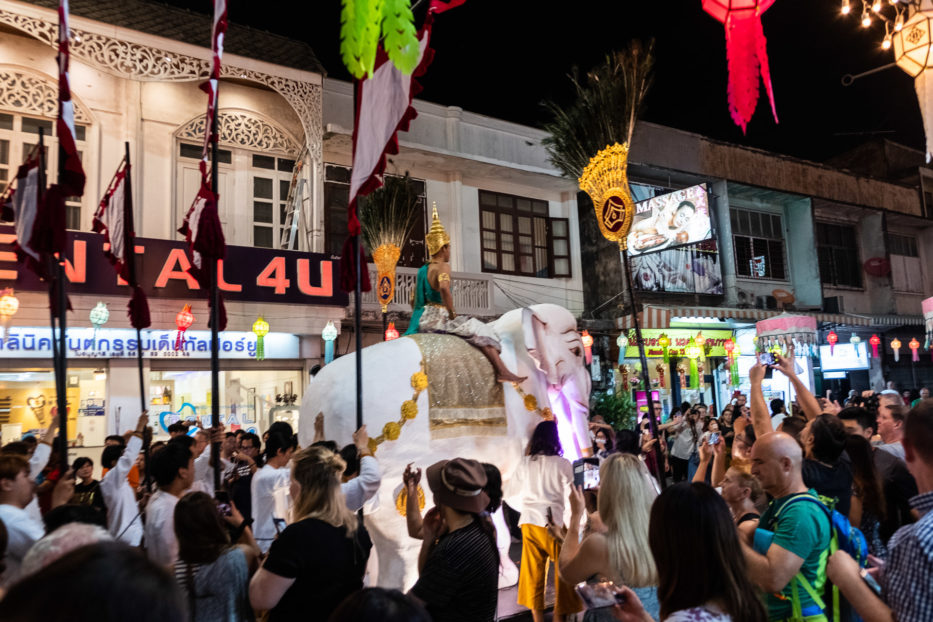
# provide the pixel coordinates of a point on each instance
(429, 315)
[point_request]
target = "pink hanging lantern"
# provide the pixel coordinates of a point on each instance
(746, 54)
(831, 339)
(587, 340)
(914, 346)
(875, 341)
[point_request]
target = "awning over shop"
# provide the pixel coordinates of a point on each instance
(656, 316)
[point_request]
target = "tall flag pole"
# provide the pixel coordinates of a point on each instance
(49, 231)
(202, 228)
(382, 107)
(114, 219)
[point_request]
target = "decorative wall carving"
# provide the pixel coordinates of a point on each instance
(146, 63)
(238, 128)
(27, 93)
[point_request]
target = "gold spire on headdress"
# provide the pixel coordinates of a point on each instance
(437, 237)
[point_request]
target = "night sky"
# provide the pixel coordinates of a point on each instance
(503, 57)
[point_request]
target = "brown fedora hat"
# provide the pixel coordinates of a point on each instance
(458, 484)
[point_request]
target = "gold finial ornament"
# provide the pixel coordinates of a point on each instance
(606, 181)
(437, 237)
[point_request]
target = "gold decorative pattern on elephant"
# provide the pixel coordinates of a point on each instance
(393, 429)
(401, 501)
(464, 397)
(531, 403)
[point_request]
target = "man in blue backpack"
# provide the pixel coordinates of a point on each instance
(789, 567)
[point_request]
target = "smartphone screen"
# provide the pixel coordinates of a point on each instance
(714, 438)
(586, 473)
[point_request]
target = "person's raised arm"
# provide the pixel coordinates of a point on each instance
(410, 479)
(706, 457)
(131, 451)
(318, 429)
(443, 283)
(361, 488)
(761, 421)
(719, 463)
(808, 403)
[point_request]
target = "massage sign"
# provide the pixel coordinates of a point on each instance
(246, 274)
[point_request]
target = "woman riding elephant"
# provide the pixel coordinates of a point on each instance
(433, 306)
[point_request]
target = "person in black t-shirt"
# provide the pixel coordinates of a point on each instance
(87, 489)
(320, 558)
(246, 461)
(459, 562)
(827, 468)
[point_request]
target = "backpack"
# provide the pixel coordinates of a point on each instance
(843, 537)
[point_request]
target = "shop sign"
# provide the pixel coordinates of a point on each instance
(121, 343)
(679, 339)
(246, 274)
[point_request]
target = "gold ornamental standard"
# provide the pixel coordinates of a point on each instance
(606, 181)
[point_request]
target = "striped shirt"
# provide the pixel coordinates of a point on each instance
(907, 580)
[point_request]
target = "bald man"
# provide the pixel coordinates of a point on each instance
(800, 526)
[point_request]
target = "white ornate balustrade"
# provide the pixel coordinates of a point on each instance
(473, 293)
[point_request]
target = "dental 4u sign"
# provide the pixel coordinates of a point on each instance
(246, 274)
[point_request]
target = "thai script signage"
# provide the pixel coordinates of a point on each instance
(679, 337)
(115, 343)
(247, 274)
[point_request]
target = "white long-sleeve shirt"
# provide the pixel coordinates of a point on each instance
(204, 472)
(268, 484)
(363, 487)
(37, 462)
(23, 531)
(161, 543)
(123, 519)
(539, 483)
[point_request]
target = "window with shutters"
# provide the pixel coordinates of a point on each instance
(837, 250)
(906, 271)
(758, 239)
(518, 237)
(19, 136)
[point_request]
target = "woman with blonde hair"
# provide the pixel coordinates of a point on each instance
(320, 558)
(621, 554)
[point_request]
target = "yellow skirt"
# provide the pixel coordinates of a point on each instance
(537, 547)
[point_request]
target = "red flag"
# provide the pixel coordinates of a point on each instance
(201, 226)
(114, 219)
(25, 203)
(382, 108)
(72, 176)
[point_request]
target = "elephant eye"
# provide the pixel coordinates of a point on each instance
(577, 351)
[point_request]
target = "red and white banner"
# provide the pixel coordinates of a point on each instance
(72, 177)
(114, 219)
(201, 227)
(25, 210)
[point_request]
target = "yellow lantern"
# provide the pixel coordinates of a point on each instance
(261, 328)
(912, 46)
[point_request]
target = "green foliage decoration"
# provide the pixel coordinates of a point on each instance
(618, 409)
(363, 23)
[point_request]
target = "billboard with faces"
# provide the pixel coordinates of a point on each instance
(670, 220)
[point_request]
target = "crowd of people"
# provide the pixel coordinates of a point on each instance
(813, 512)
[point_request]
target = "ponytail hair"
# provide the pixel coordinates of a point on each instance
(317, 472)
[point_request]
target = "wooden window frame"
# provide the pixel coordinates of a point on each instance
(827, 255)
(517, 208)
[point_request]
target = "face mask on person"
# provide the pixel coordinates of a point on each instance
(600, 440)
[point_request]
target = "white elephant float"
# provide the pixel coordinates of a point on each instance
(540, 342)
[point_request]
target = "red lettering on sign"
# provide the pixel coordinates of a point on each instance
(77, 272)
(176, 257)
(327, 279)
(223, 285)
(273, 275)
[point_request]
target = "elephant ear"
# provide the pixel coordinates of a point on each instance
(533, 328)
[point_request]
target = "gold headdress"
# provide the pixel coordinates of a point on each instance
(437, 237)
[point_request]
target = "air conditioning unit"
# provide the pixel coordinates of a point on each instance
(766, 302)
(834, 304)
(745, 299)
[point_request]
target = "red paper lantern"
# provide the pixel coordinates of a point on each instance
(831, 339)
(391, 332)
(183, 321)
(914, 346)
(875, 341)
(746, 54)
(587, 345)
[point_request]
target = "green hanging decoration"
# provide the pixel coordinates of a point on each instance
(360, 27)
(693, 352)
(400, 38)
(363, 23)
(734, 368)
